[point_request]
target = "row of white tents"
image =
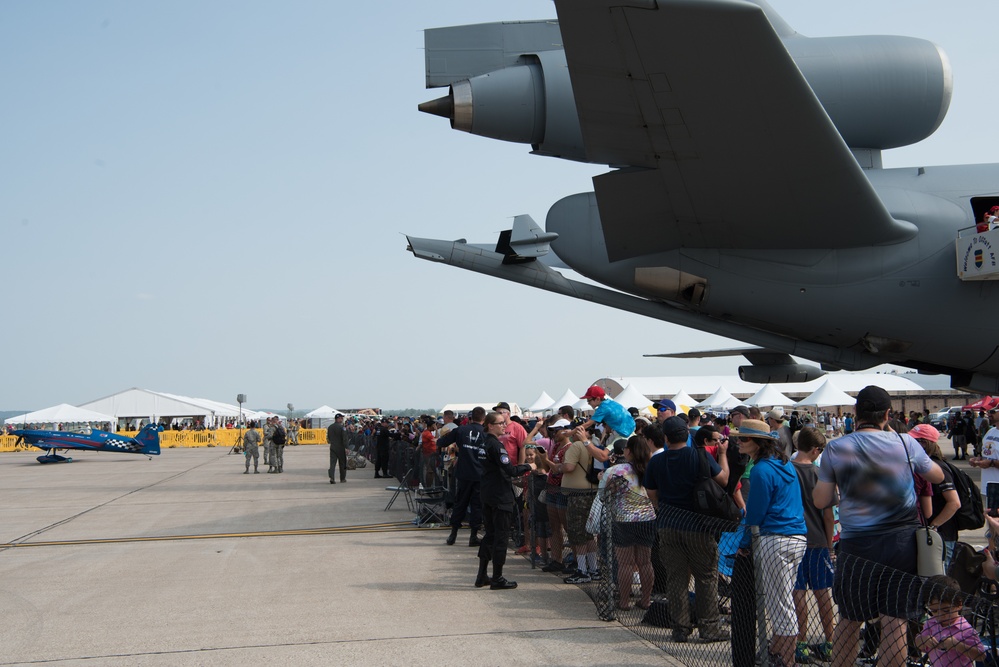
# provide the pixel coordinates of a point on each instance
(134, 405)
(827, 395)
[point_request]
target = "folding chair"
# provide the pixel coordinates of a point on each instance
(432, 496)
(402, 465)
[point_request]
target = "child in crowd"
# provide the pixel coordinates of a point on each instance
(538, 524)
(947, 636)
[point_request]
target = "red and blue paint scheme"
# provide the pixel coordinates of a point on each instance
(147, 442)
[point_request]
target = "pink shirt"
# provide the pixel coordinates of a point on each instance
(513, 441)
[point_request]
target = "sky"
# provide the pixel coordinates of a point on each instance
(211, 198)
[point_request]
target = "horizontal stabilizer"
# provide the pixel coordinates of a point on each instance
(529, 240)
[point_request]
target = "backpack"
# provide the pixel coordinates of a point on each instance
(971, 515)
(279, 439)
(710, 498)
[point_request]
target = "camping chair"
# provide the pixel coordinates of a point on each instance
(432, 498)
(402, 464)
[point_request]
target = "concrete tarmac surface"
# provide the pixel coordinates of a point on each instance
(116, 559)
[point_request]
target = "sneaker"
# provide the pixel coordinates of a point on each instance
(554, 566)
(522, 550)
(569, 568)
(823, 651)
(595, 576)
(578, 578)
(803, 653)
(717, 636)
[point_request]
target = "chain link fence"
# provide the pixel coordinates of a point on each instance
(710, 592)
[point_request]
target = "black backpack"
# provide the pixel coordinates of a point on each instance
(279, 439)
(971, 515)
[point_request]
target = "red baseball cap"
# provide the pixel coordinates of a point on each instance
(595, 392)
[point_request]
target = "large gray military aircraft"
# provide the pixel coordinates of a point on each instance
(747, 187)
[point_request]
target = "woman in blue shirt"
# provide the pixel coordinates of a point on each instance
(774, 504)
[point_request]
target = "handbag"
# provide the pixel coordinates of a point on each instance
(711, 498)
(929, 552)
(596, 513)
(929, 544)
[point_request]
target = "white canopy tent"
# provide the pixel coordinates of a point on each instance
(323, 416)
(768, 396)
(542, 404)
(825, 396)
(567, 398)
(632, 398)
(720, 399)
(62, 414)
(324, 411)
(683, 401)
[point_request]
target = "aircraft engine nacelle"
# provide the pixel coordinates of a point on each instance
(880, 92)
(527, 103)
(780, 373)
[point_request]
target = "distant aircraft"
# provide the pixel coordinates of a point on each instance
(747, 196)
(147, 442)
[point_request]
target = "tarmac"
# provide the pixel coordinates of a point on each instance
(117, 559)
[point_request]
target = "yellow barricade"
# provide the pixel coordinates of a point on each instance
(225, 437)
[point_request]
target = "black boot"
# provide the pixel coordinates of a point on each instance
(453, 536)
(481, 579)
(474, 541)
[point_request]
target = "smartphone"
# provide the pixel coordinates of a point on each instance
(992, 496)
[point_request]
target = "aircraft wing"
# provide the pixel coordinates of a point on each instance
(720, 140)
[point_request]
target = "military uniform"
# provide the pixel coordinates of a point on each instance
(251, 440)
(498, 510)
(336, 436)
(269, 446)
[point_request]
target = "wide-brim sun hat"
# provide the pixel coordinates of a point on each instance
(754, 428)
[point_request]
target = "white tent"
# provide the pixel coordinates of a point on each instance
(542, 404)
(580, 405)
(768, 396)
(323, 416)
(568, 398)
(827, 395)
(632, 398)
(62, 414)
(720, 399)
(683, 401)
(323, 412)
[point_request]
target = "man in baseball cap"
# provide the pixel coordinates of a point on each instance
(665, 409)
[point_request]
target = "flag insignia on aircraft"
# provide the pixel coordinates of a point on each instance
(979, 259)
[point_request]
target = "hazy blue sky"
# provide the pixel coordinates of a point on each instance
(209, 198)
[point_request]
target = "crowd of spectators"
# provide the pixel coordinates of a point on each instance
(807, 482)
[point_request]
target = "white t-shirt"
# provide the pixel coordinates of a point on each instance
(990, 450)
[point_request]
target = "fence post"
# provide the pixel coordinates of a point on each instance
(762, 643)
(606, 593)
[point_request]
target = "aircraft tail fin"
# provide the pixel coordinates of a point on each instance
(149, 438)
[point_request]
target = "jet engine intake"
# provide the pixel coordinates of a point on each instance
(780, 373)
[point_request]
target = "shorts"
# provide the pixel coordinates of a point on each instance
(634, 533)
(876, 575)
(576, 515)
(541, 529)
(779, 558)
(816, 570)
(555, 497)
